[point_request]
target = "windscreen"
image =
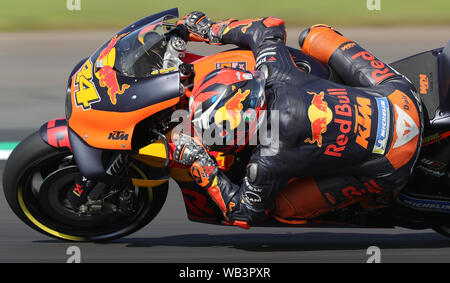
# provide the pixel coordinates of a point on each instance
(142, 51)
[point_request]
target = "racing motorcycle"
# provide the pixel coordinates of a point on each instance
(115, 142)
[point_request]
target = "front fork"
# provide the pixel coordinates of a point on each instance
(56, 134)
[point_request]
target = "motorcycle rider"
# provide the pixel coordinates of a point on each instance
(341, 143)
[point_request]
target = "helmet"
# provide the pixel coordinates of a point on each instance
(225, 108)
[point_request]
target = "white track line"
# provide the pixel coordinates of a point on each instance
(4, 154)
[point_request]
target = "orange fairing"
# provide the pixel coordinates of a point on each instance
(95, 126)
(225, 59)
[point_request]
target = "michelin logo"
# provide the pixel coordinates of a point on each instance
(383, 126)
(422, 204)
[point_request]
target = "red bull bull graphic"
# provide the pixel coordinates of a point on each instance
(231, 111)
(320, 116)
(106, 75)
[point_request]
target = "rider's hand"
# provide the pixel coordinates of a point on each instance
(187, 149)
(198, 24)
(204, 171)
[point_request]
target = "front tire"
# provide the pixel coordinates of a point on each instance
(34, 163)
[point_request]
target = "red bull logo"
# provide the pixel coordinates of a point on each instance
(343, 119)
(320, 116)
(231, 111)
(106, 75)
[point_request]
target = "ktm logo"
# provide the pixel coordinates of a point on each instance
(363, 121)
(348, 46)
(118, 135)
(423, 84)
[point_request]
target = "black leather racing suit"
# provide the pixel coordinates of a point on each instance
(355, 140)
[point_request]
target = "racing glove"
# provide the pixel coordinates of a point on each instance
(198, 24)
(190, 152)
(204, 171)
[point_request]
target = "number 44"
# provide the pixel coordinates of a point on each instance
(85, 92)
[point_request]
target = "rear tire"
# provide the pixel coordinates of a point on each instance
(33, 160)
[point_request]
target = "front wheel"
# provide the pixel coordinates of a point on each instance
(36, 182)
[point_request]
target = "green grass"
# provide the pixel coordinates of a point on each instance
(53, 14)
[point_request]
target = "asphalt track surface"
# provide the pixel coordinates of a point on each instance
(33, 74)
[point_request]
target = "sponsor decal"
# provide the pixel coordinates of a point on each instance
(405, 128)
(381, 73)
(106, 75)
(433, 168)
(265, 54)
(84, 91)
(233, 65)
(320, 116)
(424, 204)
(363, 121)
(232, 109)
(78, 190)
(118, 135)
(406, 133)
(348, 46)
(343, 116)
(423, 84)
(352, 192)
(247, 76)
(163, 71)
(382, 126)
(431, 138)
